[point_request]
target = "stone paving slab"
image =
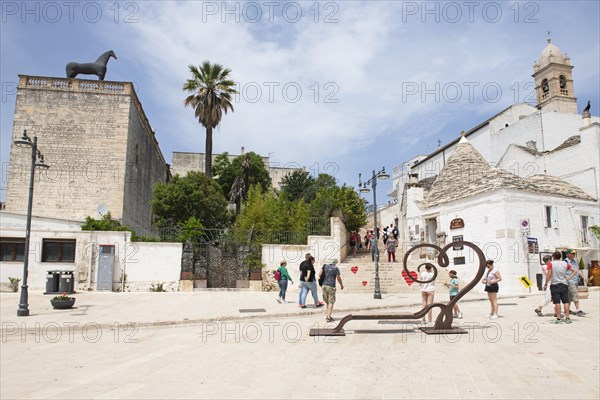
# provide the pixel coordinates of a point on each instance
(518, 356)
(173, 308)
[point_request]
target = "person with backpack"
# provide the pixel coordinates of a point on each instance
(327, 278)
(282, 277)
(395, 232)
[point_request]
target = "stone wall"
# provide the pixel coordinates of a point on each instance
(87, 132)
(144, 167)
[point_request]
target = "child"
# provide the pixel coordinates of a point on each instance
(453, 285)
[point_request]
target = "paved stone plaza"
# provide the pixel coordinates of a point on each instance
(113, 346)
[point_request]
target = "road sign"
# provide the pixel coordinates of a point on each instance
(525, 281)
(525, 226)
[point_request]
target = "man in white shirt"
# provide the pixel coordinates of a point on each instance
(557, 276)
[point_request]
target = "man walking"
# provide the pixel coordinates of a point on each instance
(574, 283)
(332, 273)
(559, 290)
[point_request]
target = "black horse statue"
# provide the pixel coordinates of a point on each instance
(98, 67)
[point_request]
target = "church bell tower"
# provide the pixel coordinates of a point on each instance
(553, 76)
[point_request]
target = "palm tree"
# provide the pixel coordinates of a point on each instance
(211, 89)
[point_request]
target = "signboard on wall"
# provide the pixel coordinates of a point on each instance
(532, 245)
(457, 238)
(457, 223)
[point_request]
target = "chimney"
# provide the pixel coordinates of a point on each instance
(531, 145)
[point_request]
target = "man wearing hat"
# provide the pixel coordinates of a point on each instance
(573, 283)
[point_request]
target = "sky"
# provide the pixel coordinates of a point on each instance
(338, 87)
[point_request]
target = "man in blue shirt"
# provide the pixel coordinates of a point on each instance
(574, 282)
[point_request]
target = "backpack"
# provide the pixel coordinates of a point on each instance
(278, 275)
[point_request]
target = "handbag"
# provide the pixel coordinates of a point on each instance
(322, 276)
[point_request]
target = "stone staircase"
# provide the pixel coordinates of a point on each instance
(358, 274)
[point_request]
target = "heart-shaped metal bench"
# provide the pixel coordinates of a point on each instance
(443, 322)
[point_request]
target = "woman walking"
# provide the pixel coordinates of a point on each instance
(491, 287)
(284, 277)
(427, 291)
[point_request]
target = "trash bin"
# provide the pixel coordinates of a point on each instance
(52, 278)
(66, 282)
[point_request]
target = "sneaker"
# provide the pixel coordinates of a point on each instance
(494, 316)
(556, 321)
(568, 321)
(460, 315)
(580, 313)
(279, 300)
(488, 315)
(538, 312)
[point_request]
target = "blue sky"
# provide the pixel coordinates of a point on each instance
(337, 87)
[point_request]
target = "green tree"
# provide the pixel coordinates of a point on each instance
(324, 181)
(211, 89)
(341, 201)
(270, 211)
(106, 223)
(298, 185)
(194, 195)
(229, 172)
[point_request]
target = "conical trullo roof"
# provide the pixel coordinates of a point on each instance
(466, 174)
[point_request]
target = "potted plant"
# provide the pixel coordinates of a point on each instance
(14, 283)
(63, 301)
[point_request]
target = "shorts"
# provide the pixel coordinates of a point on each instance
(559, 293)
(452, 296)
(493, 288)
(329, 294)
(573, 293)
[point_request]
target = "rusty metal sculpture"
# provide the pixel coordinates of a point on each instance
(443, 322)
(98, 67)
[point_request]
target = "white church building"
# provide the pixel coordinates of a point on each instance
(523, 183)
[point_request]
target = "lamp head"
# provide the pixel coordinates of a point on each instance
(40, 163)
(383, 175)
(364, 188)
(25, 140)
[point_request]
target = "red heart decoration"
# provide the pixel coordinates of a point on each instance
(407, 279)
(364, 283)
(354, 269)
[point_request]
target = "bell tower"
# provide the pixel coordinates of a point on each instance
(553, 76)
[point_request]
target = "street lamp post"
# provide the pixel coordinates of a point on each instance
(26, 141)
(364, 189)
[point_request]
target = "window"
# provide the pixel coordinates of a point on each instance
(563, 82)
(12, 249)
(58, 250)
(545, 86)
(586, 222)
(550, 217)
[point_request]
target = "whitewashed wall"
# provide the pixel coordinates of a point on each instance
(152, 263)
(145, 263)
(321, 247)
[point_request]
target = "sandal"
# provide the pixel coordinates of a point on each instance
(538, 312)
(329, 319)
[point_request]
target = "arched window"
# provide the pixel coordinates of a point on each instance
(563, 82)
(545, 87)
